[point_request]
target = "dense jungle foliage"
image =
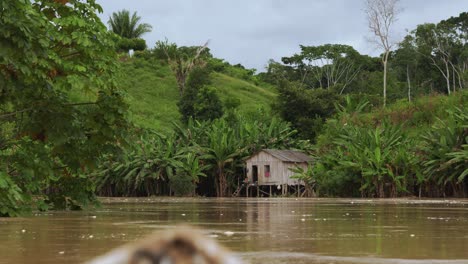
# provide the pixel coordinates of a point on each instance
(49, 143)
(80, 117)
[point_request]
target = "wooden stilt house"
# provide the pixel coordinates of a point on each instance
(272, 167)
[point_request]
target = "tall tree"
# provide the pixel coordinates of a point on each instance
(381, 15)
(183, 60)
(330, 65)
(49, 140)
(444, 47)
(200, 101)
(407, 59)
(457, 29)
(305, 109)
(126, 26)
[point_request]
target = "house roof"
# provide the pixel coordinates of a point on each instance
(289, 155)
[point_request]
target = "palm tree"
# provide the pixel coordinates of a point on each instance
(128, 27)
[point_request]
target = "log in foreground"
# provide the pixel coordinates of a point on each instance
(183, 245)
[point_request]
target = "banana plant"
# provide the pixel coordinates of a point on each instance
(193, 166)
(351, 108)
(154, 158)
(222, 150)
(372, 151)
(307, 176)
(444, 148)
(459, 161)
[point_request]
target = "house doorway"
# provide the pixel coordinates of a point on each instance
(255, 173)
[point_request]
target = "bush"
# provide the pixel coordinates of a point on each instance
(200, 101)
(306, 109)
(136, 44)
(182, 184)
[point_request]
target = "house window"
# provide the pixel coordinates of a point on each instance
(267, 170)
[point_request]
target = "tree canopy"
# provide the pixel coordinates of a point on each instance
(126, 26)
(49, 141)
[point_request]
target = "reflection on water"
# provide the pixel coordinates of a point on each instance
(264, 230)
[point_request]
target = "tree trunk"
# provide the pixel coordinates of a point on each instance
(409, 83)
(222, 184)
(454, 84)
(447, 77)
(385, 60)
(216, 181)
(181, 83)
(381, 190)
(222, 181)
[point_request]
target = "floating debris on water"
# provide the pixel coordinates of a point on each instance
(229, 233)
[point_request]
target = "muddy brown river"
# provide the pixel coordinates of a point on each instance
(259, 230)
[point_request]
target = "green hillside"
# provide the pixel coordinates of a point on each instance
(153, 94)
(417, 116)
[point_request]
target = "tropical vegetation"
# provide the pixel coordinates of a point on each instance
(128, 30)
(50, 142)
(126, 26)
(81, 117)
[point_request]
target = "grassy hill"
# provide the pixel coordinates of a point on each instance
(153, 94)
(418, 115)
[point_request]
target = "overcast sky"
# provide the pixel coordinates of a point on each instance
(251, 32)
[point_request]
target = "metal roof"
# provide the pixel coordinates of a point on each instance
(288, 155)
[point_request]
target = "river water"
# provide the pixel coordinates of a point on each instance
(263, 230)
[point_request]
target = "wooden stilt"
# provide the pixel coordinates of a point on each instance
(258, 190)
(270, 190)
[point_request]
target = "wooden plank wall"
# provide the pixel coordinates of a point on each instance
(279, 170)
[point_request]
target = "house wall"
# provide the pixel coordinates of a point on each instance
(287, 173)
(279, 170)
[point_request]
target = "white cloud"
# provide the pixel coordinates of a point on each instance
(253, 31)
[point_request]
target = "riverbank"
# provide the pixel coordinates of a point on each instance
(407, 200)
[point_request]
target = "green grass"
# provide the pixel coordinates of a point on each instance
(251, 97)
(417, 116)
(152, 93)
